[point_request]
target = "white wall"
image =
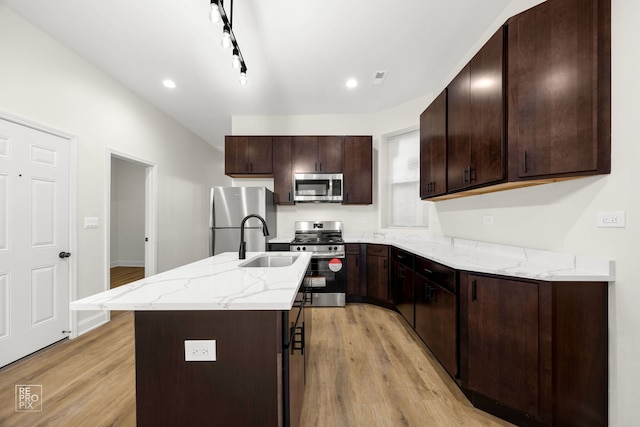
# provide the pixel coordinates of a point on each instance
(557, 217)
(44, 82)
(127, 213)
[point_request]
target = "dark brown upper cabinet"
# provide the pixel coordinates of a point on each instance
(559, 85)
(475, 106)
(358, 175)
(317, 154)
(433, 148)
(248, 156)
(282, 173)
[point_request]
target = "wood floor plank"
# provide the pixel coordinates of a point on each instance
(119, 276)
(367, 368)
(86, 381)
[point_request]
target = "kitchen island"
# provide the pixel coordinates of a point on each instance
(243, 328)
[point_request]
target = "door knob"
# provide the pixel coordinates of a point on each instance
(64, 254)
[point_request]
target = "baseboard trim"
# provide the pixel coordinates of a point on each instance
(127, 264)
(92, 322)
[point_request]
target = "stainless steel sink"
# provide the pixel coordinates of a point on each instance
(268, 261)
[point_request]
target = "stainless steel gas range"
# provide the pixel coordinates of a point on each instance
(326, 275)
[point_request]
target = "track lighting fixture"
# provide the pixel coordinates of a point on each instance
(226, 37)
(214, 14)
(218, 14)
(235, 59)
(243, 76)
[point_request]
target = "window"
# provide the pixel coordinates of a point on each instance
(405, 207)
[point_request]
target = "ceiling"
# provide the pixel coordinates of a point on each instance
(299, 53)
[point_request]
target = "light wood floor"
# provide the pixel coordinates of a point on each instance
(121, 276)
(367, 369)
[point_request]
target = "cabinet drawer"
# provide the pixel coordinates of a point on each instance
(437, 273)
(353, 249)
(378, 250)
(403, 257)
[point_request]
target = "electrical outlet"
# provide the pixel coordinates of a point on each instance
(200, 350)
(487, 219)
(611, 219)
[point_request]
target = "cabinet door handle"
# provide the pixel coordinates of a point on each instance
(474, 290)
(427, 293)
(472, 176)
(433, 294)
(289, 195)
(320, 166)
(524, 160)
(426, 270)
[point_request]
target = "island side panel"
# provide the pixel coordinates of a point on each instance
(240, 388)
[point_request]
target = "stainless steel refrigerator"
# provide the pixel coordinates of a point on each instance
(229, 205)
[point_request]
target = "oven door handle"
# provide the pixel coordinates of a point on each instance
(339, 255)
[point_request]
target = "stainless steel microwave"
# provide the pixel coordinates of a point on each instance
(317, 187)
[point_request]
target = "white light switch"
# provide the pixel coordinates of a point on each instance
(91, 222)
(611, 219)
(200, 350)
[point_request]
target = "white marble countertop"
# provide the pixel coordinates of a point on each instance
(215, 283)
(491, 258)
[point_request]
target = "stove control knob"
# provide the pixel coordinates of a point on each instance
(304, 248)
(335, 248)
(298, 248)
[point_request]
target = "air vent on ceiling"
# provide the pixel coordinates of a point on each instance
(378, 77)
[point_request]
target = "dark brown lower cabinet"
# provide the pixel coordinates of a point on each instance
(354, 272)
(437, 311)
(378, 272)
(257, 378)
(401, 284)
(404, 294)
(535, 353)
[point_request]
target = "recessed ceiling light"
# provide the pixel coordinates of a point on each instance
(169, 83)
(351, 83)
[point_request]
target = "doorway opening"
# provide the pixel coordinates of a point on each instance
(132, 206)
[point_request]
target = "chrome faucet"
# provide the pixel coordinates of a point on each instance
(242, 253)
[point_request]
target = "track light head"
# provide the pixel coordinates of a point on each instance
(226, 37)
(235, 59)
(214, 13)
(243, 74)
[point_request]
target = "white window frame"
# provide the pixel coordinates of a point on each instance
(420, 206)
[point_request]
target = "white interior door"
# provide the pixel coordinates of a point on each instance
(34, 230)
